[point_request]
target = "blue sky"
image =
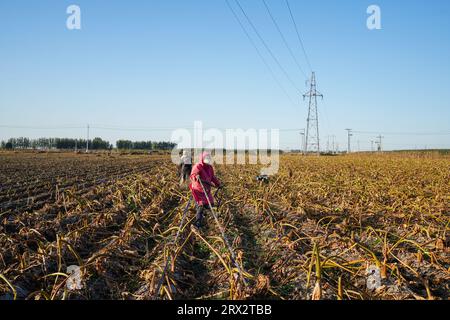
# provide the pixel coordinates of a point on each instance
(168, 63)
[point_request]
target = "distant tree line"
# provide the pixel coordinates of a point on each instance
(73, 144)
(55, 143)
(144, 145)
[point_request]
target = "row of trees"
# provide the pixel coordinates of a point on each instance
(74, 144)
(144, 145)
(55, 143)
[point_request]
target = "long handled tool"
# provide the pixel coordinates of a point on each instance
(215, 193)
(219, 200)
(175, 242)
(230, 249)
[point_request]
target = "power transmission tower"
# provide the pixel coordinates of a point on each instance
(302, 148)
(87, 141)
(312, 129)
(380, 149)
(349, 135)
(334, 144)
(371, 145)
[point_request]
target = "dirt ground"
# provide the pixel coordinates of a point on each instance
(314, 231)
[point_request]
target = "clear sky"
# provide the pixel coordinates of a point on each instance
(168, 63)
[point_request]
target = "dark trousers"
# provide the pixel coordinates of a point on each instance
(201, 209)
(185, 171)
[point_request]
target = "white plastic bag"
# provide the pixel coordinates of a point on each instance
(74, 282)
(373, 277)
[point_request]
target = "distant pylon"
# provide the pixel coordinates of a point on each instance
(312, 128)
(334, 144)
(87, 140)
(380, 137)
(302, 133)
(349, 134)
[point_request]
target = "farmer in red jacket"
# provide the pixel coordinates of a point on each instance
(203, 170)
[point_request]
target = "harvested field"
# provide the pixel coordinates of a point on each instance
(310, 233)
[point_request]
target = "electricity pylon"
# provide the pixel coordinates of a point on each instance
(380, 137)
(302, 148)
(312, 129)
(87, 141)
(349, 135)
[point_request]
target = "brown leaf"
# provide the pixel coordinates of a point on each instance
(440, 245)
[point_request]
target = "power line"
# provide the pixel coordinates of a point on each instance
(41, 127)
(144, 128)
(123, 128)
(137, 129)
(416, 144)
(405, 133)
(284, 39)
(298, 35)
(266, 46)
(175, 128)
(259, 53)
(99, 127)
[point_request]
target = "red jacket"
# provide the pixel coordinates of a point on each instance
(206, 173)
